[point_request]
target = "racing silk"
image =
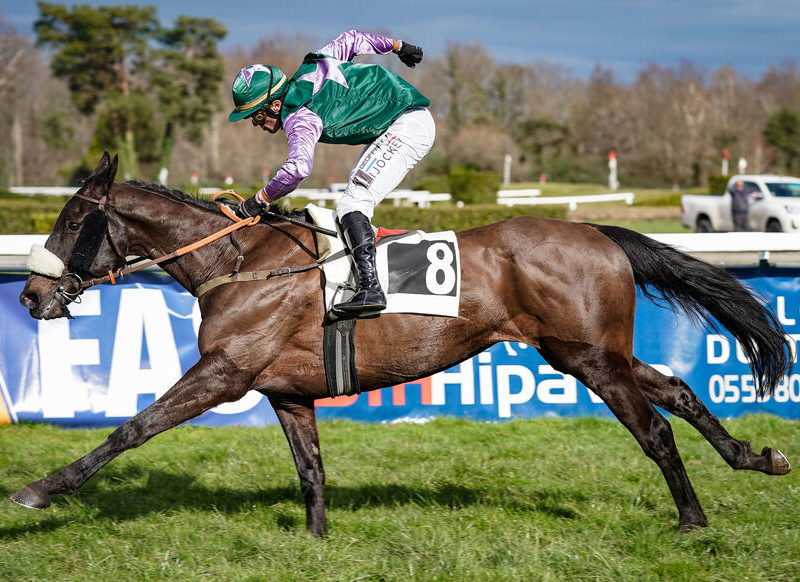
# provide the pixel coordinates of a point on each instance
(332, 100)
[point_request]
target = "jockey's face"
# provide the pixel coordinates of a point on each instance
(266, 122)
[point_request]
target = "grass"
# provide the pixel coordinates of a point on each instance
(545, 499)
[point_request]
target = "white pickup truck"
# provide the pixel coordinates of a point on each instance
(774, 206)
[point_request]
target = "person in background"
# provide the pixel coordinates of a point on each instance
(740, 204)
(330, 99)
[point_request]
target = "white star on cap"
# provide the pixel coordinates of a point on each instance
(248, 71)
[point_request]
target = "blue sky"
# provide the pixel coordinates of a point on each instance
(624, 35)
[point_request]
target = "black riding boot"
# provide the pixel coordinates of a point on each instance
(360, 240)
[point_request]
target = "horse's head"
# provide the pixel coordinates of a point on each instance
(87, 241)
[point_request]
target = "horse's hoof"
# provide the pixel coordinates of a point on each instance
(693, 525)
(779, 465)
(29, 497)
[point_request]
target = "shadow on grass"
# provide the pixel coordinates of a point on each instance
(114, 497)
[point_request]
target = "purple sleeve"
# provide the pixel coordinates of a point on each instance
(355, 42)
(303, 129)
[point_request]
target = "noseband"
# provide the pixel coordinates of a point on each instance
(94, 232)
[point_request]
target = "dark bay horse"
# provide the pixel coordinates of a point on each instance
(567, 289)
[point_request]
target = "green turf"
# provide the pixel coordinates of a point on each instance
(547, 499)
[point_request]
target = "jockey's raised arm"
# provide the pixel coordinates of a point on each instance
(354, 42)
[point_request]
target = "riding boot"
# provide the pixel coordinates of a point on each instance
(360, 240)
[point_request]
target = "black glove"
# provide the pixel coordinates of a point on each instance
(410, 54)
(248, 208)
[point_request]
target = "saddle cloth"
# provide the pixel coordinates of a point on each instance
(419, 272)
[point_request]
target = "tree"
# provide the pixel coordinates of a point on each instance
(538, 136)
(782, 131)
(98, 51)
(14, 59)
(107, 57)
(187, 76)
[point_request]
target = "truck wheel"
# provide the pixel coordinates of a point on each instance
(774, 225)
(703, 225)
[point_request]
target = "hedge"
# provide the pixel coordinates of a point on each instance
(717, 184)
(464, 184)
(29, 214)
(38, 217)
(438, 218)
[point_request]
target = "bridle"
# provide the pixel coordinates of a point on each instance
(71, 285)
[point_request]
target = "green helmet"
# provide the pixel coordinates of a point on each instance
(252, 86)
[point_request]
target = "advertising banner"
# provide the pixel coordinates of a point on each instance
(128, 343)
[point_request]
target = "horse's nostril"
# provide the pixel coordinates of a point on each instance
(29, 299)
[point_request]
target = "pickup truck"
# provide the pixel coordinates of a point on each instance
(774, 206)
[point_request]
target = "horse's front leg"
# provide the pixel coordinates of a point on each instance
(214, 379)
(299, 422)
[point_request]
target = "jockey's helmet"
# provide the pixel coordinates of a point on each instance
(254, 87)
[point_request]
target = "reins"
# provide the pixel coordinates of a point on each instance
(235, 276)
(113, 275)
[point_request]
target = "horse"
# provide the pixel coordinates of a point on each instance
(567, 289)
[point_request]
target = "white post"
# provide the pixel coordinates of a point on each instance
(725, 155)
(507, 169)
(613, 183)
(742, 165)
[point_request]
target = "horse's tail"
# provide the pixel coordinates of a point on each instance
(708, 294)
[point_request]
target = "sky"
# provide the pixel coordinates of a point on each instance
(574, 35)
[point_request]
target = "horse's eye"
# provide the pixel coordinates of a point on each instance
(73, 226)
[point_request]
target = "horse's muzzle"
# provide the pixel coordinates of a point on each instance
(44, 298)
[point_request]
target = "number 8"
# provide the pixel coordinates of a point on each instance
(440, 264)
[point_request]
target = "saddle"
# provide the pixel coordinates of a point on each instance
(419, 273)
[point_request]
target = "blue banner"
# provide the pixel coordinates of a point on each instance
(128, 343)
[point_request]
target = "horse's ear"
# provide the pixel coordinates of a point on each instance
(103, 175)
(112, 170)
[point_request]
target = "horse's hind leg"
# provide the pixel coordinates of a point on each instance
(610, 376)
(673, 395)
(299, 422)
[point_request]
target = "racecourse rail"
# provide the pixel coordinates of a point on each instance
(420, 198)
(724, 248)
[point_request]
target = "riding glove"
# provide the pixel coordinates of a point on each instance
(249, 207)
(410, 54)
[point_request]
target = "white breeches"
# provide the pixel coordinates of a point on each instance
(386, 161)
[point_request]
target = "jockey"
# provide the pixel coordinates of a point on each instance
(333, 100)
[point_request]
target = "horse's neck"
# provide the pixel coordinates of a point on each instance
(162, 225)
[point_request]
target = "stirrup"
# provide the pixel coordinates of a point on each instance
(361, 308)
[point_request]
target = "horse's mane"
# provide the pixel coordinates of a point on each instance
(207, 204)
(182, 196)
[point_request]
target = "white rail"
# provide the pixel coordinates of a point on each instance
(14, 248)
(45, 190)
(421, 198)
(521, 196)
(572, 201)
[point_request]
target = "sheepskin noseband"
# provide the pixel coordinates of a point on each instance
(43, 262)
